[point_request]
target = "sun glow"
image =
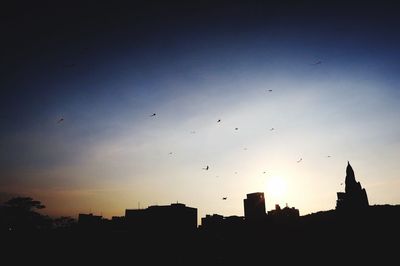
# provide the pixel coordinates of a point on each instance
(276, 187)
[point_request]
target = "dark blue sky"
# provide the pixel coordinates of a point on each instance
(105, 67)
(106, 41)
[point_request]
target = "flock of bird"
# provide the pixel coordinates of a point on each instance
(61, 120)
(236, 128)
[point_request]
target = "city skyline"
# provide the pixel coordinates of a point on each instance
(108, 106)
(253, 206)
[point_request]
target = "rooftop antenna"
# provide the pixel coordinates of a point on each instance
(138, 205)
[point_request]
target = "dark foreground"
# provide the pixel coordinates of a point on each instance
(322, 238)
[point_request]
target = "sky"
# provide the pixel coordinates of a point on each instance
(323, 76)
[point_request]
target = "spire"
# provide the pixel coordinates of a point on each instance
(350, 178)
(355, 196)
(350, 172)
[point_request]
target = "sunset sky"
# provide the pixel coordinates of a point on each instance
(106, 68)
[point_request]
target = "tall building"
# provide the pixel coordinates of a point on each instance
(354, 197)
(254, 206)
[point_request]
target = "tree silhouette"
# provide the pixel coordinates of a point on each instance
(19, 214)
(24, 204)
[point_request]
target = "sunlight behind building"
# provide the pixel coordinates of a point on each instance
(276, 188)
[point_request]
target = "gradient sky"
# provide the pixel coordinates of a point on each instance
(105, 68)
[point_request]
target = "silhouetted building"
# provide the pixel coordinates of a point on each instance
(176, 217)
(277, 210)
(212, 221)
(118, 223)
(89, 221)
(354, 197)
(286, 213)
(218, 222)
(136, 219)
(234, 222)
(254, 206)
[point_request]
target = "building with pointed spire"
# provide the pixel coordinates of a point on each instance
(354, 197)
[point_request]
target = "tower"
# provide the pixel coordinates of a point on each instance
(254, 206)
(354, 197)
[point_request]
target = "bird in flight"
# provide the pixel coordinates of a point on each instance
(206, 168)
(317, 63)
(219, 120)
(60, 120)
(153, 115)
(272, 129)
(192, 132)
(301, 159)
(328, 156)
(170, 153)
(236, 128)
(264, 172)
(224, 198)
(270, 90)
